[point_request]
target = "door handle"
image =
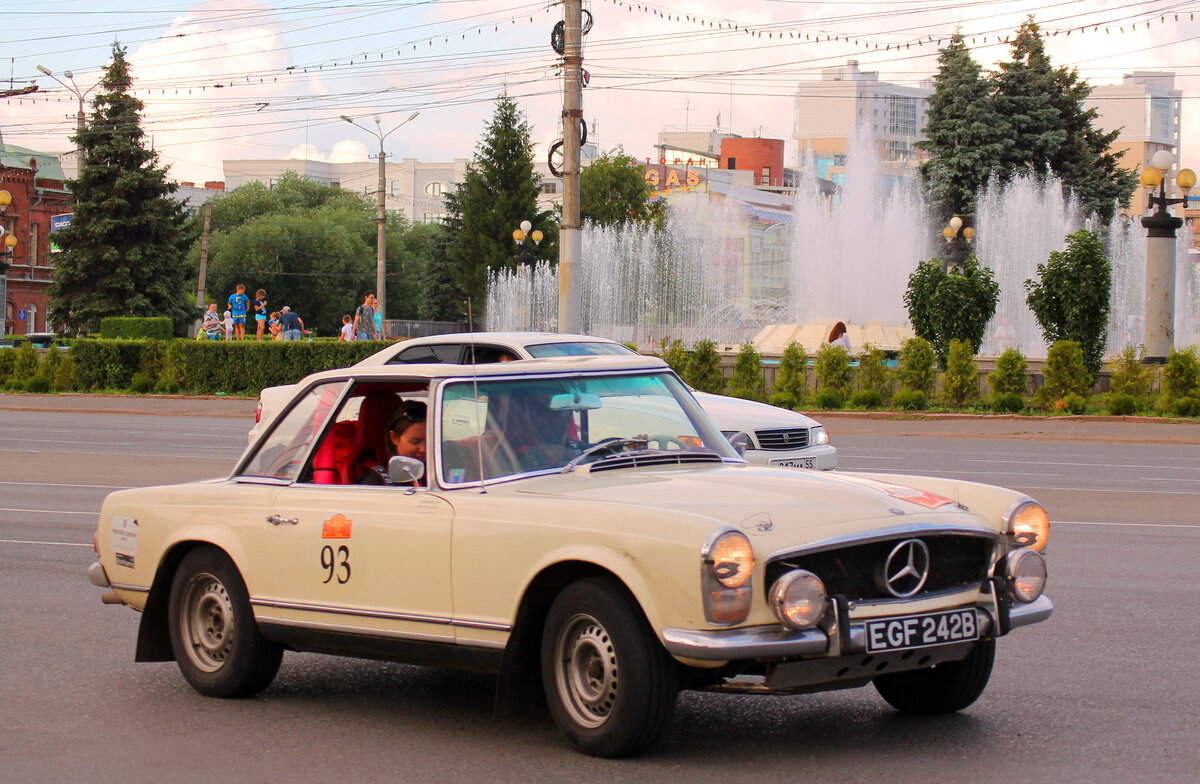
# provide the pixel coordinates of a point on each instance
(275, 519)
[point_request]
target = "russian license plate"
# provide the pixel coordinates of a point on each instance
(919, 631)
(802, 462)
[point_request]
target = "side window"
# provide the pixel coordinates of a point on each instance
(283, 451)
(487, 354)
(430, 354)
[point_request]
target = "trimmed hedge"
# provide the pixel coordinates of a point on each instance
(208, 367)
(133, 327)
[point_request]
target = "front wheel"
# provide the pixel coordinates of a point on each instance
(943, 688)
(610, 685)
(213, 634)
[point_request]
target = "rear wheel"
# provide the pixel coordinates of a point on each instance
(944, 688)
(213, 634)
(610, 685)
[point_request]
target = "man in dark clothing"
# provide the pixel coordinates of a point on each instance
(293, 325)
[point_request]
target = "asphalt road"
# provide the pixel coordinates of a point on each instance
(1104, 691)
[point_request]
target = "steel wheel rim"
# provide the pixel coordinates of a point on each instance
(207, 622)
(586, 672)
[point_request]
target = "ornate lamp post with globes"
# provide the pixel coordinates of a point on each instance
(6, 251)
(956, 248)
(523, 256)
(1160, 254)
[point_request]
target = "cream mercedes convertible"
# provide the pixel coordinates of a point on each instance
(580, 527)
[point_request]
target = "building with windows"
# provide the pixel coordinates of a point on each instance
(1146, 111)
(36, 184)
(411, 187)
(846, 101)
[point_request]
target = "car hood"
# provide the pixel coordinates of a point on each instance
(731, 413)
(765, 501)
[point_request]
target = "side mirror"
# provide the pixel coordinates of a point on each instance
(405, 470)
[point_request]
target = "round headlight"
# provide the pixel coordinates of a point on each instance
(732, 560)
(1031, 526)
(798, 599)
(1026, 572)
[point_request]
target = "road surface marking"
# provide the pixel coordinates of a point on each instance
(51, 544)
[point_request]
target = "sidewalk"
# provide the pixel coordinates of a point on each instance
(1131, 430)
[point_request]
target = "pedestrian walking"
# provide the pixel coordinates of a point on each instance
(364, 319)
(378, 318)
(260, 313)
(292, 325)
(239, 303)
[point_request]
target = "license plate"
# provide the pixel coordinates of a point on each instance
(919, 631)
(804, 462)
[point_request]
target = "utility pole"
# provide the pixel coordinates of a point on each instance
(381, 234)
(200, 282)
(570, 297)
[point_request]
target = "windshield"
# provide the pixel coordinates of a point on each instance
(576, 349)
(495, 429)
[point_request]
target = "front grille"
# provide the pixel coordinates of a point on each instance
(634, 460)
(783, 438)
(956, 561)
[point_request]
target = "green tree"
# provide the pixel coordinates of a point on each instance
(872, 375)
(961, 382)
(955, 305)
(832, 369)
(1010, 376)
(748, 382)
(499, 192)
(442, 299)
(1050, 126)
(792, 378)
(613, 192)
(309, 246)
(674, 354)
(916, 365)
(1129, 375)
(1181, 374)
(704, 368)
(409, 248)
(1071, 297)
(964, 134)
(1065, 374)
(123, 253)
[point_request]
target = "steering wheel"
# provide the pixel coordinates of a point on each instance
(665, 442)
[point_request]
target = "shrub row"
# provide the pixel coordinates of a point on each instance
(197, 367)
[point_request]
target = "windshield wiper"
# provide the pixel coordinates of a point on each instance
(608, 445)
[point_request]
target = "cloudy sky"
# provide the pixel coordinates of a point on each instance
(232, 79)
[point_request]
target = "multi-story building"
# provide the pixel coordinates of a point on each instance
(1146, 111)
(35, 184)
(848, 101)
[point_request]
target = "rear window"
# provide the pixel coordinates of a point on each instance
(577, 349)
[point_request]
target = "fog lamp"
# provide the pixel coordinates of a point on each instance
(1026, 572)
(798, 599)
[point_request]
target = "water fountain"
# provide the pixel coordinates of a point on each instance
(847, 262)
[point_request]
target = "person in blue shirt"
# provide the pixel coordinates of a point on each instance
(238, 303)
(260, 313)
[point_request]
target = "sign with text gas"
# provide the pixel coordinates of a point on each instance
(58, 223)
(665, 175)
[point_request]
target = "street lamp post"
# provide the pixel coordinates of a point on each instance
(1160, 254)
(6, 251)
(956, 248)
(381, 219)
(523, 256)
(79, 116)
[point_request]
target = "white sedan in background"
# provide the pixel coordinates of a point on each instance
(763, 434)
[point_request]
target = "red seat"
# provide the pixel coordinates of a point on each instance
(369, 444)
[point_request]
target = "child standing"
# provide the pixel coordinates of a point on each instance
(228, 325)
(238, 304)
(347, 329)
(260, 313)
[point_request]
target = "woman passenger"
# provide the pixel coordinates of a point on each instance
(405, 437)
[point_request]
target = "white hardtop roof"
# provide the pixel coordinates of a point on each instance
(521, 338)
(605, 363)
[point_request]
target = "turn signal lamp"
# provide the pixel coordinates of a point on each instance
(1026, 572)
(798, 599)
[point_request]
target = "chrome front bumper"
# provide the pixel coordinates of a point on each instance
(776, 642)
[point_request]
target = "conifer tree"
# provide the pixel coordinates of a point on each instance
(964, 134)
(123, 252)
(500, 191)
